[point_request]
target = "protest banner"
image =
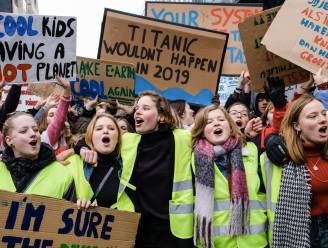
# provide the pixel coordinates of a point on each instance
(27, 99)
(108, 79)
(226, 87)
(35, 48)
(177, 61)
(215, 16)
(40, 222)
(299, 33)
(262, 63)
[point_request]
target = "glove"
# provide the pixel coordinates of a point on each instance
(276, 92)
(215, 99)
(276, 149)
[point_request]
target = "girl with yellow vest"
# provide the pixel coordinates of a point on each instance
(156, 179)
(29, 166)
(297, 192)
(100, 151)
(229, 210)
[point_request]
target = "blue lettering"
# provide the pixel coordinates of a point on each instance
(90, 88)
(11, 219)
(157, 15)
(11, 241)
(95, 220)
(10, 25)
(67, 221)
(31, 212)
(21, 25)
(77, 230)
(171, 17)
(236, 55)
(1, 34)
(30, 31)
(193, 16)
(177, 17)
(106, 227)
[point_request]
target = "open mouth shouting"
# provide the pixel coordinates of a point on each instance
(105, 140)
(218, 131)
(323, 131)
(139, 121)
(239, 123)
(33, 143)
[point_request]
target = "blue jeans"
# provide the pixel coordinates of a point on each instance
(319, 232)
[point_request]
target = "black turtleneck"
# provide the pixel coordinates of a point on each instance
(107, 196)
(153, 174)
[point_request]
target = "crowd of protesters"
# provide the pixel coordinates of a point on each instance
(207, 176)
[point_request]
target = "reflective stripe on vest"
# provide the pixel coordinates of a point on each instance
(253, 205)
(182, 209)
(269, 172)
(224, 230)
(182, 185)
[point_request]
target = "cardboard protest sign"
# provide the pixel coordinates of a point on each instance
(27, 99)
(35, 221)
(45, 89)
(262, 63)
(35, 48)
(177, 61)
(219, 17)
(107, 79)
(299, 34)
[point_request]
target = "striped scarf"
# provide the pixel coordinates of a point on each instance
(205, 154)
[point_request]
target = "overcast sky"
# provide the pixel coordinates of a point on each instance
(89, 16)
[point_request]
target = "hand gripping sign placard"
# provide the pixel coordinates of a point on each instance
(177, 61)
(42, 222)
(35, 48)
(299, 34)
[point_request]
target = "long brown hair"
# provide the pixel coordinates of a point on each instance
(289, 133)
(91, 127)
(201, 121)
(163, 108)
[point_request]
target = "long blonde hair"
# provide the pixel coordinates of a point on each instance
(292, 140)
(201, 121)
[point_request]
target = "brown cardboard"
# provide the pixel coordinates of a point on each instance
(45, 89)
(262, 63)
(192, 67)
(115, 228)
(220, 17)
(303, 41)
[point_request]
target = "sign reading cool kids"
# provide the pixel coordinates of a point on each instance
(35, 48)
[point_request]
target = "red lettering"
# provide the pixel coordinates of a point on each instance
(24, 68)
(9, 73)
(214, 13)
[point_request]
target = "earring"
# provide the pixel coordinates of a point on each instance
(298, 133)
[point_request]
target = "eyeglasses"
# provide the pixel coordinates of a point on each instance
(236, 113)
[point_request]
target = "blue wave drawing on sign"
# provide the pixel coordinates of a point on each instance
(203, 97)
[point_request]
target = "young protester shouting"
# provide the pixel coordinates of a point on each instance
(156, 178)
(29, 166)
(297, 192)
(229, 209)
(100, 151)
